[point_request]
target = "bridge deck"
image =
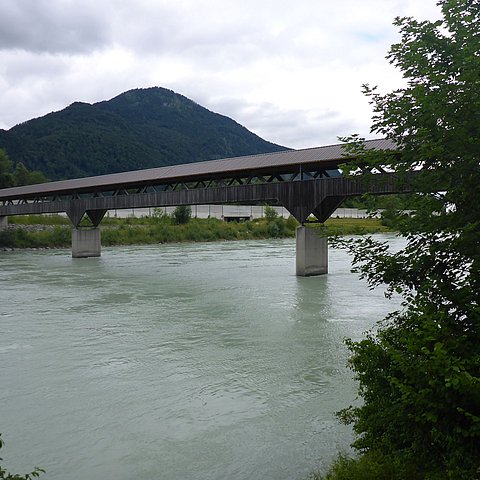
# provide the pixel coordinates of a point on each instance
(303, 181)
(278, 163)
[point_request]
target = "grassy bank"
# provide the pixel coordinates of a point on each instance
(54, 231)
(355, 226)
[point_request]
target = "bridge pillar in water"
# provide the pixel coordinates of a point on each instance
(312, 252)
(86, 242)
(3, 222)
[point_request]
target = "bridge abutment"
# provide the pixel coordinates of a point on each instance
(312, 252)
(86, 242)
(3, 222)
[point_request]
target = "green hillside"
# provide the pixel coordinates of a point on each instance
(141, 128)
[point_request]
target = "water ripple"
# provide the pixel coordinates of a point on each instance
(177, 361)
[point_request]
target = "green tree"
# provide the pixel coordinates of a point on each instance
(35, 177)
(23, 176)
(419, 372)
(20, 176)
(182, 214)
(6, 179)
(270, 213)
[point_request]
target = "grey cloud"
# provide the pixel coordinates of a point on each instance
(22, 70)
(294, 128)
(300, 131)
(209, 50)
(198, 34)
(52, 26)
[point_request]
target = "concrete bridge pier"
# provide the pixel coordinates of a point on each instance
(312, 252)
(86, 242)
(3, 222)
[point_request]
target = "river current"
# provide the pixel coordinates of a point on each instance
(201, 361)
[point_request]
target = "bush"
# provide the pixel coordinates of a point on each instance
(419, 371)
(270, 214)
(292, 223)
(370, 466)
(182, 214)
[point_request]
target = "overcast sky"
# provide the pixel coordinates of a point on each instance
(289, 70)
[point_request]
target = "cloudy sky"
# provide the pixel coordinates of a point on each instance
(289, 70)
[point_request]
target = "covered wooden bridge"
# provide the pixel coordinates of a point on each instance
(304, 181)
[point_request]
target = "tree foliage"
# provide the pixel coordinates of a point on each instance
(6, 179)
(23, 176)
(270, 213)
(419, 373)
(182, 214)
(20, 176)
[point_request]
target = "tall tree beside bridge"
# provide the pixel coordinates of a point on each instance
(6, 178)
(20, 176)
(419, 373)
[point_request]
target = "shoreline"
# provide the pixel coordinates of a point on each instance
(149, 231)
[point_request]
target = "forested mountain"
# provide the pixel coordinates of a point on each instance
(141, 128)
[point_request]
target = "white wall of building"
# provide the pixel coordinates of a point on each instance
(206, 211)
(230, 211)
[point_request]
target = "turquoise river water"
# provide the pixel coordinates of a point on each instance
(184, 361)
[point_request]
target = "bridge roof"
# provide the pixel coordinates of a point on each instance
(326, 157)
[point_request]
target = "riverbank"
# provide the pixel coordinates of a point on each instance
(54, 231)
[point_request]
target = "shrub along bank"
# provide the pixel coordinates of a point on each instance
(54, 231)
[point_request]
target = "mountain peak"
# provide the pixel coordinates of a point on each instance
(140, 128)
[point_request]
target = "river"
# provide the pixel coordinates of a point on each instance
(197, 361)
